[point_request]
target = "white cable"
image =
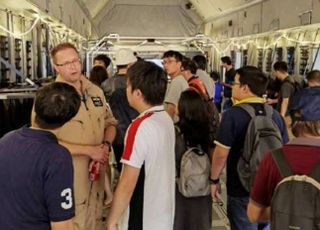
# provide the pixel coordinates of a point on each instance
(24, 33)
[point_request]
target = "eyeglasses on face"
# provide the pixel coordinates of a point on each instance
(69, 63)
(169, 61)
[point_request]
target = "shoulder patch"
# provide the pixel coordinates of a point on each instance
(97, 101)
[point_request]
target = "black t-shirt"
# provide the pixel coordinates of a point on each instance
(36, 181)
(231, 133)
(229, 79)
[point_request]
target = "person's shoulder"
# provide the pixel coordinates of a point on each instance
(236, 110)
(57, 151)
(179, 82)
(178, 78)
(10, 135)
(288, 82)
(235, 113)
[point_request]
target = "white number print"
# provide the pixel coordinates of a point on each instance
(67, 194)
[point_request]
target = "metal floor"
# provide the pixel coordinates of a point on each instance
(219, 211)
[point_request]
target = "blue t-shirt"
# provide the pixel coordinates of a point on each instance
(36, 180)
(231, 133)
(218, 90)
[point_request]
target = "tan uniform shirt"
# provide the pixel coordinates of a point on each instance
(87, 128)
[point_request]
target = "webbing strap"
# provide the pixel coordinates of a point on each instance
(269, 110)
(249, 109)
(281, 163)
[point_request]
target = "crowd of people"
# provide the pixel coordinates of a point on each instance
(55, 173)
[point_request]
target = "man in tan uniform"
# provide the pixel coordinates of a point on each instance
(87, 136)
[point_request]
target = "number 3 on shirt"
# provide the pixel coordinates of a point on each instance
(67, 194)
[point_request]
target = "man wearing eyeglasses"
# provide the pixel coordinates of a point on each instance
(247, 88)
(87, 136)
(172, 64)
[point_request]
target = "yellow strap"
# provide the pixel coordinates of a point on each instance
(250, 100)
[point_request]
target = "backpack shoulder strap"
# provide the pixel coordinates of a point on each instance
(315, 174)
(281, 162)
(269, 110)
(249, 109)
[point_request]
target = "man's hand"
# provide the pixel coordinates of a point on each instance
(99, 153)
(215, 192)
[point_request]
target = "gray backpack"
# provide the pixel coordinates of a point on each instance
(262, 136)
(296, 200)
(194, 173)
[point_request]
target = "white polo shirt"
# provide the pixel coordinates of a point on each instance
(149, 145)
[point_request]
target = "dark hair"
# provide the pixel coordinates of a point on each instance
(280, 66)
(215, 76)
(200, 61)
(150, 79)
(62, 46)
(172, 53)
(226, 59)
(56, 104)
(194, 119)
(98, 75)
(102, 57)
(256, 80)
(314, 76)
(188, 64)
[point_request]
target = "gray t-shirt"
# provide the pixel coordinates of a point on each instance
(207, 81)
(176, 87)
(112, 83)
(286, 91)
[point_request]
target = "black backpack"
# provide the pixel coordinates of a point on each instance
(262, 136)
(296, 200)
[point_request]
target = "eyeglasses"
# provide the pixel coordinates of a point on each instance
(168, 62)
(69, 63)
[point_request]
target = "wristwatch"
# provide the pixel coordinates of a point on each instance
(107, 143)
(214, 181)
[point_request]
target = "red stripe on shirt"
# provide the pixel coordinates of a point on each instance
(132, 131)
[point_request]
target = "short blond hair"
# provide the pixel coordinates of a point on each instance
(62, 46)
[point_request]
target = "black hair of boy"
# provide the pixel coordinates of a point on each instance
(256, 80)
(215, 76)
(150, 79)
(102, 57)
(200, 61)
(98, 74)
(56, 104)
(188, 64)
(226, 60)
(280, 66)
(172, 53)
